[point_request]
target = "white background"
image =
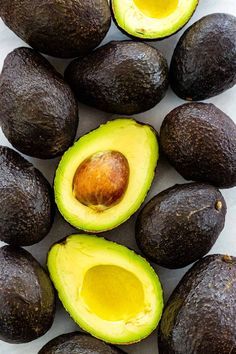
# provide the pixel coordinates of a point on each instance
(166, 177)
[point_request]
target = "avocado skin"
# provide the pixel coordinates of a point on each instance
(199, 317)
(181, 224)
(38, 110)
(78, 343)
(199, 140)
(204, 61)
(63, 29)
(26, 198)
(122, 77)
(27, 297)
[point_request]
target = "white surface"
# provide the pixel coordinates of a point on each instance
(166, 177)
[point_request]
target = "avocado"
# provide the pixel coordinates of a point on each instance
(181, 224)
(199, 317)
(122, 77)
(62, 28)
(38, 110)
(77, 343)
(97, 183)
(26, 199)
(199, 140)
(203, 64)
(27, 297)
(109, 290)
(152, 19)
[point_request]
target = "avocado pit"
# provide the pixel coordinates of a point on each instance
(157, 8)
(101, 180)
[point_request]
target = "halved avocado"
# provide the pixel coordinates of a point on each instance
(109, 290)
(152, 19)
(104, 177)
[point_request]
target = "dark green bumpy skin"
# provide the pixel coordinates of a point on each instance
(204, 61)
(62, 28)
(78, 343)
(27, 297)
(181, 224)
(200, 317)
(26, 199)
(121, 77)
(38, 110)
(199, 140)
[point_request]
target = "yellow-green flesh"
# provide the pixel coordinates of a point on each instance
(138, 143)
(157, 8)
(152, 19)
(109, 290)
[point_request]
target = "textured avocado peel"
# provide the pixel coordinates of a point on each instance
(78, 343)
(211, 37)
(199, 140)
(44, 24)
(181, 224)
(199, 317)
(38, 110)
(121, 77)
(27, 216)
(28, 297)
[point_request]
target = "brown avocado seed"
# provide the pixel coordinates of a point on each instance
(101, 180)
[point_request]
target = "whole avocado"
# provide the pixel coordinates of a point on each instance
(122, 77)
(78, 343)
(204, 61)
(26, 198)
(181, 224)
(199, 317)
(38, 110)
(59, 28)
(27, 297)
(199, 140)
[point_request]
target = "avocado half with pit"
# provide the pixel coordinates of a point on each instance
(109, 290)
(104, 177)
(152, 19)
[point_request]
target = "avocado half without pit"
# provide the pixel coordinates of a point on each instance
(152, 19)
(109, 290)
(103, 179)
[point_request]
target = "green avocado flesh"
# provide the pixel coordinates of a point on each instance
(109, 290)
(152, 19)
(104, 177)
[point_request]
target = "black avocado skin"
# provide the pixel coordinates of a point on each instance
(62, 28)
(26, 199)
(124, 77)
(38, 110)
(199, 140)
(199, 317)
(181, 224)
(26, 295)
(78, 343)
(204, 61)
